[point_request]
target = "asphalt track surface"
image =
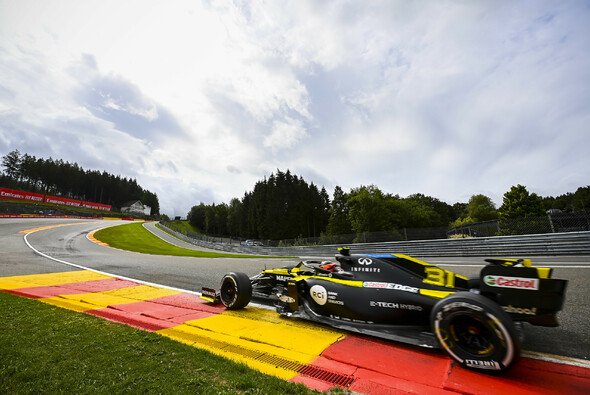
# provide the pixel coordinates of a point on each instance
(69, 243)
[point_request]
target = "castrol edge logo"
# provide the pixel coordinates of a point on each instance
(512, 282)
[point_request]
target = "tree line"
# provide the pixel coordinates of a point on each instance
(285, 206)
(280, 207)
(517, 203)
(56, 177)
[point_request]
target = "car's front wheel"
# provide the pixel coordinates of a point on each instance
(475, 332)
(236, 290)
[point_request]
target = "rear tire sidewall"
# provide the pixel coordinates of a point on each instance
(475, 332)
(236, 290)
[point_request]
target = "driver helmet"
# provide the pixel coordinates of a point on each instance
(330, 266)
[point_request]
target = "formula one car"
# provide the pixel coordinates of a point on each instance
(477, 321)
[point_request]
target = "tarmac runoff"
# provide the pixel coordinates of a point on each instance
(302, 352)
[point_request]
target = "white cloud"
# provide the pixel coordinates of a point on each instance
(285, 134)
(198, 100)
(149, 112)
(263, 93)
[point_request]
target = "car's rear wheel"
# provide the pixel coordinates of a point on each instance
(236, 290)
(475, 332)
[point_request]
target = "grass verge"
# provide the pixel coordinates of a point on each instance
(46, 349)
(134, 237)
(183, 227)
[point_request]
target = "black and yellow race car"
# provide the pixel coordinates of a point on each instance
(477, 321)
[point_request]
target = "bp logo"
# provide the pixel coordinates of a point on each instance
(319, 294)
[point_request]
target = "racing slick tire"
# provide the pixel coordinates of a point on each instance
(236, 290)
(475, 332)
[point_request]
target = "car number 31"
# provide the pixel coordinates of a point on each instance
(440, 277)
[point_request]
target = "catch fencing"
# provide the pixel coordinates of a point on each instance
(551, 223)
(569, 243)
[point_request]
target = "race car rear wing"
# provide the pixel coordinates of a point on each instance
(527, 293)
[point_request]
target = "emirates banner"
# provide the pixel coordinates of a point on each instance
(96, 206)
(12, 194)
(62, 200)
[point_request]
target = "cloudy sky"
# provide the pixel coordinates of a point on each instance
(199, 100)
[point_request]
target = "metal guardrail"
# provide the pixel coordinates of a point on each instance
(571, 243)
(577, 243)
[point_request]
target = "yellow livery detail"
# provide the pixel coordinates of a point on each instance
(544, 272)
(435, 294)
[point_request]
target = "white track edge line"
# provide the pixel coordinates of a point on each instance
(123, 277)
(582, 363)
(102, 272)
(551, 265)
(158, 236)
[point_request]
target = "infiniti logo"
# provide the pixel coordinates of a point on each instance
(365, 261)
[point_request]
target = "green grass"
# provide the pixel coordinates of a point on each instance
(134, 237)
(45, 349)
(183, 227)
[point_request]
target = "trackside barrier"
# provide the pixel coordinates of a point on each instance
(14, 194)
(46, 216)
(570, 243)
